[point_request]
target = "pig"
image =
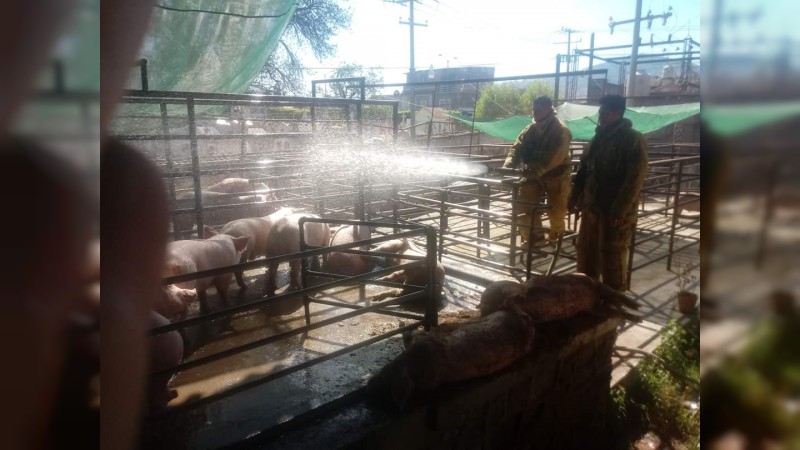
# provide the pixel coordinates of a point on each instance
(236, 185)
(348, 263)
(253, 201)
(189, 256)
(284, 239)
(417, 276)
(174, 304)
(256, 229)
(398, 246)
(166, 350)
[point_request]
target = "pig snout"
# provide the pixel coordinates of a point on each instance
(175, 301)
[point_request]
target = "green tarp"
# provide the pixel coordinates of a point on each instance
(582, 120)
(727, 120)
(730, 120)
(211, 46)
(206, 46)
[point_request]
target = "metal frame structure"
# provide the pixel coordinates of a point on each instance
(191, 101)
(428, 293)
(461, 218)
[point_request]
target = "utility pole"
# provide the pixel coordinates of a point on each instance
(411, 24)
(568, 57)
(634, 50)
(635, 45)
(713, 55)
(591, 66)
(568, 32)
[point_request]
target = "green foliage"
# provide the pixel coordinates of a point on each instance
(535, 89)
(350, 90)
(655, 398)
(619, 402)
(499, 100)
(507, 99)
(375, 112)
(286, 112)
(680, 347)
(686, 277)
(749, 392)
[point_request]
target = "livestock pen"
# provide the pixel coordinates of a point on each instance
(262, 367)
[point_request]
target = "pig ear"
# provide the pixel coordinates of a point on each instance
(240, 243)
(208, 232)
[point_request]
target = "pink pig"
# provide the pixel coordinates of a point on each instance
(284, 238)
(256, 229)
(194, 255)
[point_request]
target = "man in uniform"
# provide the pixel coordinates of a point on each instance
(606, 191)
(543, 147)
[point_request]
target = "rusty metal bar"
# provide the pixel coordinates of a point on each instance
(674, 224)
(198, 191)
(168, 157)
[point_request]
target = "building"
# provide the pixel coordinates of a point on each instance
(457, 96)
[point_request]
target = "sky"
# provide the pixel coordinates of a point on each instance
(517, 37)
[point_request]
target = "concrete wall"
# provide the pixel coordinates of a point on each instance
(556, 398)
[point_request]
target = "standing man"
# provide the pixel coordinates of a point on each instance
(606, 191)
(543, 147)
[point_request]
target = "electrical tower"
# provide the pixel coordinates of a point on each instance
(636, 37)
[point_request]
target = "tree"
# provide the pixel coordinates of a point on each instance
(507, 99)
(498, 100)
(535, 89)
(312, 26)
(350, 89)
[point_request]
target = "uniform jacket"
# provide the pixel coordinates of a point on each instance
(612, 171)
(543, 147)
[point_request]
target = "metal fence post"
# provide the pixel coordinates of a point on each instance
(674, 215)
(431, 319)
(198, 191)
(442, 223)
(168, 157)
(513, 238)
(430, 122)
(304, 270)
(483, 219)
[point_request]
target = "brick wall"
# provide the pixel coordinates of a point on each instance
(556, 398)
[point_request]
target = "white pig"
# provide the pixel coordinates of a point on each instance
(348, 263)
(189, 256)
(256, 229)
(234, 185)
(284, 238)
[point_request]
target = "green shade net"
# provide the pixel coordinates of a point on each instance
(730, 120)
(582, 120)
(207, 46)
(220, 51)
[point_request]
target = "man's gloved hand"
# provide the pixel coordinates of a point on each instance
(505, 171)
